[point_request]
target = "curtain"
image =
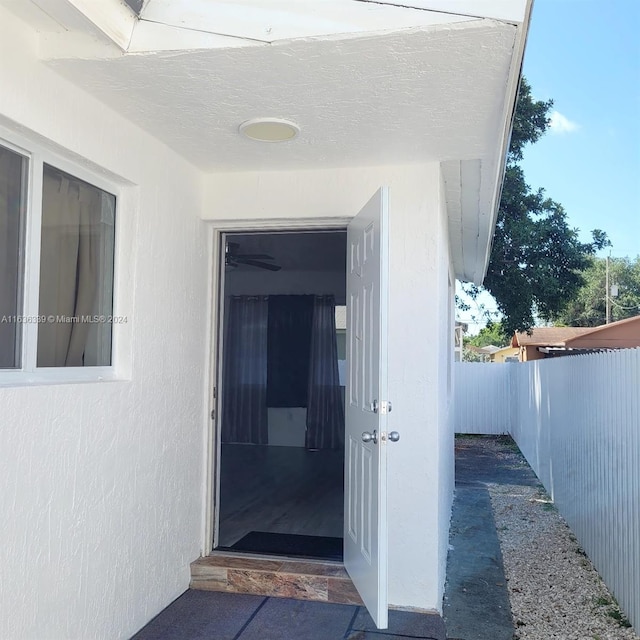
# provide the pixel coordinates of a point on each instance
(70, 273)
(244, 400)
(288, 346)
(325, 406)
(12, 172)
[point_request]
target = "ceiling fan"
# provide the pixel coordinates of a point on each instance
(233, 258)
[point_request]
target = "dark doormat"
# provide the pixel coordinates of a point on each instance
(289, 544)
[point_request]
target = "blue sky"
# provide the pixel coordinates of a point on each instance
(585, 55)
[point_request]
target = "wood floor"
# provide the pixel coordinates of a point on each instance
(280, 490)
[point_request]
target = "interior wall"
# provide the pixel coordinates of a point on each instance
(262, 283)
(102, 481)
(420, 464)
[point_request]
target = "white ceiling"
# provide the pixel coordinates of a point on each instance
(392, 98)
(368, 83)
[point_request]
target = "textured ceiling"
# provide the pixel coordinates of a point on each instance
(430, 93)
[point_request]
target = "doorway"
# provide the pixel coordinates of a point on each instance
(281, 393)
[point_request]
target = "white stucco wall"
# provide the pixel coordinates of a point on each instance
(444, 352)
(419, 299)
(102, 482)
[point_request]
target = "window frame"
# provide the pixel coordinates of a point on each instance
(37, 155)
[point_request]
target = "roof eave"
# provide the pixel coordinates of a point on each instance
(473, 215)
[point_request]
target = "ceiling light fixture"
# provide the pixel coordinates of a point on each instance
(269, 129)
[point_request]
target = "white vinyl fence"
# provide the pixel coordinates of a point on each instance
(482, 399)
(577, 421)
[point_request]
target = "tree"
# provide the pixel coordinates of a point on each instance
(468, 355)
(493, 334)
(588, 307)
(536, 259)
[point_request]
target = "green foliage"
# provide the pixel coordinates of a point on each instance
(588, 307)
(610, 607)
(530, 122)
(536, 259)
(471, 356)
(491, 334)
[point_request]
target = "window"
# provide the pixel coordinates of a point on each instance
(76, 272)
(13, 179)
(57, 245)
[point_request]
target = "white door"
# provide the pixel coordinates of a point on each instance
(365, 522)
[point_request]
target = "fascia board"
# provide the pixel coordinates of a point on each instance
(512, 11)
(112, 19)
(511, 93)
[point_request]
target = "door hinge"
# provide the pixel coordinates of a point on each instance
(215, 396)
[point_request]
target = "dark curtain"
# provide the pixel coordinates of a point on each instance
(289, 344)
(244, 406)
(325, 408)
(12, 175)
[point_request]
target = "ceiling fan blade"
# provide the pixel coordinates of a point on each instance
(253, 256)
(257, 263)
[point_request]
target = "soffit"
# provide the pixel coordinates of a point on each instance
(412, 96)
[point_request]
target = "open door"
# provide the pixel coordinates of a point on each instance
(365, 521)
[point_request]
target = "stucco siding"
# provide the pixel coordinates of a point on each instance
(102, 482)
(421, 463)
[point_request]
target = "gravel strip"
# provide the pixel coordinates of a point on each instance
(554, 590)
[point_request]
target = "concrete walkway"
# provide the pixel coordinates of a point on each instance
(476, 603)
(210, 615)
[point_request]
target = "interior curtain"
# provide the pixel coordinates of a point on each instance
(69, 254)
(325, 405)
(288, 345)
(12, 170)
(244, 400)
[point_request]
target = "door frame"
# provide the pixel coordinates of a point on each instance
(213, 346)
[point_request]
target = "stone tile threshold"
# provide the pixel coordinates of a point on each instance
(273, 576)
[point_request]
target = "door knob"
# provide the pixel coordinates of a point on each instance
(370, 437)
(394, 436)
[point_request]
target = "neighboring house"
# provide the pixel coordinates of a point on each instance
(490, 350)
(129, 143)
(505, 354)
(548, 342)
(482, 354)
(458, 340)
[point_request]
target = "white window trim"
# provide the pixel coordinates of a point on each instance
(37, 156)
